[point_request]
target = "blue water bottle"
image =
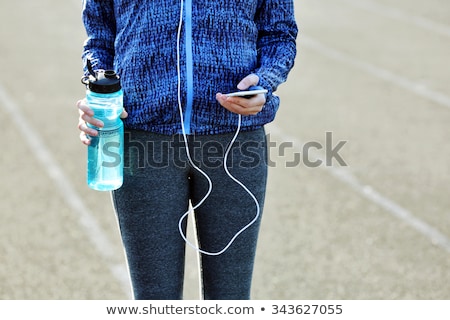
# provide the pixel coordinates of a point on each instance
(105, 153)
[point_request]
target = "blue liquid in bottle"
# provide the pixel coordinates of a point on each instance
(105, 152)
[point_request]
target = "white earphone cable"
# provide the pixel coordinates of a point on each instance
(210, 184)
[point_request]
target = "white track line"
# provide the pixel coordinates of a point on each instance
(439, 98)
(343, 175)
(378, 72)
(397, 14)
(62, 183)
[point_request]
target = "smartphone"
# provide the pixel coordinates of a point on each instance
(252, 91)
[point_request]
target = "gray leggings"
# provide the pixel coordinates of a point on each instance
(158, 184)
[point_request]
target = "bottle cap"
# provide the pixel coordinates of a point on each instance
(101, 81)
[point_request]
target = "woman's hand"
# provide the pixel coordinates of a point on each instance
(240, 105)
(87, 116)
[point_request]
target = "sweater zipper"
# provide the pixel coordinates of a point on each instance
(189, 68)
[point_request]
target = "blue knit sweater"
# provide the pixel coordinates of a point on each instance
(222, 42)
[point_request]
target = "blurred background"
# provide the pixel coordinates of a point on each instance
(370, 90)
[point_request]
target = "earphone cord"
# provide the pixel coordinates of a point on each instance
(191, 210)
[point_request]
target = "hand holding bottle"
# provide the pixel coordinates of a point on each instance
(87, 117)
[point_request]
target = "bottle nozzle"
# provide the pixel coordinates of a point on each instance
(111, 74)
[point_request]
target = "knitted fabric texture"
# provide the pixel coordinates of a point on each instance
(230, 40)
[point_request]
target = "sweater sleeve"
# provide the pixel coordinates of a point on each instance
(277, 42)
(99, 22)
